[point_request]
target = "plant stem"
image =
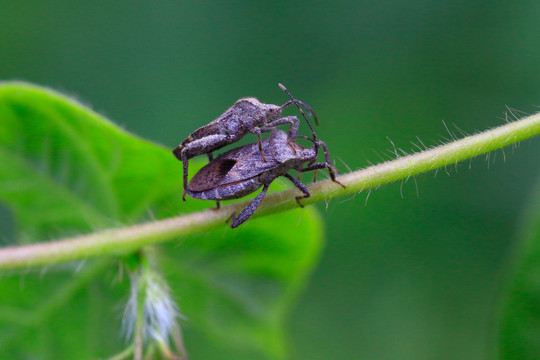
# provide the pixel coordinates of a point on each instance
(125, 354)
(125, 240)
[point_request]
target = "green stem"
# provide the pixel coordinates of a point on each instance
(125, 240)
(125, 354)
(138, 341)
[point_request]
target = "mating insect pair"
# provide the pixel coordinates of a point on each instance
(243, 170)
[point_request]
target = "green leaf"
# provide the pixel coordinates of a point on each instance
(65, 170)
(520, 325)
(61, 313)
(243, 282)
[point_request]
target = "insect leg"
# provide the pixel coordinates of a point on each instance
(250, 209)
(197, 147)
(304, 137)
(300, 186)
(210, 157)
(257, 131)
(326, 154)
(185, 163)
(332, 170)
(292, 120)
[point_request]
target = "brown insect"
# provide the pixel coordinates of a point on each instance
(247, 115)
(241, 171)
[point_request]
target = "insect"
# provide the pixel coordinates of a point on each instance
(247, 115)
(241, 171)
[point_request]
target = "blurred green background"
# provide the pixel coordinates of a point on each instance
(402, 276)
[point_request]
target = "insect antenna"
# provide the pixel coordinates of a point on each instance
(316, 145)
(305, 137)
(308, 108)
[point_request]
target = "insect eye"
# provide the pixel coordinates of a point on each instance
(226, 166)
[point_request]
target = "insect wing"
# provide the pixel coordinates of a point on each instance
(233, 166)
(212, 175)
(248, 167)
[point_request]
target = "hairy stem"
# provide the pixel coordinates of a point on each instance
(125, 240)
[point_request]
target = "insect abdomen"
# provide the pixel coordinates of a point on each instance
(230, 191)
